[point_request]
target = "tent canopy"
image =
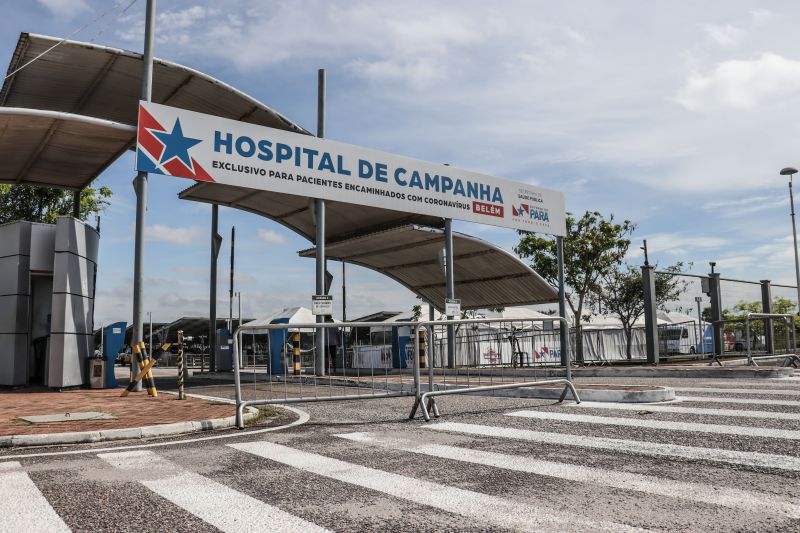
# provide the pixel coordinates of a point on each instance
(485, 274)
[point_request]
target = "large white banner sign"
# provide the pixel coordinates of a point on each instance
(203, 147)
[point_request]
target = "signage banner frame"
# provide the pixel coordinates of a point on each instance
(207, 148)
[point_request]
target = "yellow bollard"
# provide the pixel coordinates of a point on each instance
(296, 350)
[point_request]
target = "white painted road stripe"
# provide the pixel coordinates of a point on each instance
(716, 390)
(483, 508)
(654, 449)
(655, 408)
(699, 492)
(745, 431)
(219, 505)
(759, 382)
(23, 507)
(751, 401)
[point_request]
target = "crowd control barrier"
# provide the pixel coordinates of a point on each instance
(484, 356)
(487, 355)
(758, 337)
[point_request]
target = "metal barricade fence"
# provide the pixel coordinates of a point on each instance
(758, 336)
(790, 337)
(372, 365)
(487, 355)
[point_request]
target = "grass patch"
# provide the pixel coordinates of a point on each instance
(264, 413)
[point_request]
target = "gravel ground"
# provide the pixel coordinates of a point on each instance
(91, 495)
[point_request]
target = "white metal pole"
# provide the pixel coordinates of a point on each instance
(450, 289)
(320, 233)
(140, 186)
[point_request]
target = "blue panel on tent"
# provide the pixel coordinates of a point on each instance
(400, 340)
(277, 341)
(224, 350)
(113, 340)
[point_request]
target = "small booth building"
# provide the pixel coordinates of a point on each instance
(47, 285)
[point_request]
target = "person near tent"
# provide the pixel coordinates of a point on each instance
(332, 336)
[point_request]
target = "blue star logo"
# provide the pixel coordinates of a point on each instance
(176, 144)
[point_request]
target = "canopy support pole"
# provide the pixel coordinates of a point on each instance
(344, 294)
(140, 186)
(76, 204)
(451, 289)
(563, 328)
(319, 206)
(216, 243)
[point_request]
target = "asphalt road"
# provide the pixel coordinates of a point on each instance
(724, 457)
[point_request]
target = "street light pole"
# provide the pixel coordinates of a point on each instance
(789, 171)
(150, 318)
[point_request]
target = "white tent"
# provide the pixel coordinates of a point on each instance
(673, 317)
(289, 315)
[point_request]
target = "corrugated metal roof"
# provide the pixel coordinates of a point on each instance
(82, 101)
(342, 221)
(57, 149)
(104, 82)
(485, 275)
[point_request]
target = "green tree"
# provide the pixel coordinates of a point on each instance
(593, 247)
(622, 294)
(44, 204)
(780, 305)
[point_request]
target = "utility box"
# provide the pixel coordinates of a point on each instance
(97, 373)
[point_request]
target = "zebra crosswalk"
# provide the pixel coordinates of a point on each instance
(213, 502)
(540, 467)
(23, 506)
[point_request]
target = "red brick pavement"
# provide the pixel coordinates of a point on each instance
(136, 410)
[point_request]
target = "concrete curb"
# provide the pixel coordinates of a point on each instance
(710, 372)
(657, 394)
(144, 432)
(701, 372)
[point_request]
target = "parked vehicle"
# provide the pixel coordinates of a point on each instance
(681, 339)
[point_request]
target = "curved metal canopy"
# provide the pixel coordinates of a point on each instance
(48, 147)
(485, 275)
(54, 145)
(342, 221)
(104, 82)
(69, 114)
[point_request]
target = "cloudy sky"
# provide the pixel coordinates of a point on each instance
(677, 115)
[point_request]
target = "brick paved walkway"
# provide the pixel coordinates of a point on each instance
(136, 410)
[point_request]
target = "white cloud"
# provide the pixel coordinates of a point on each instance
(174, 235)
(677, 244)
(745, 206)
(761, 17)
(271, 236)
(742, 84)
(66, 8)
(726, 35)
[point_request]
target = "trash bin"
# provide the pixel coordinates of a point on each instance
(97, 372)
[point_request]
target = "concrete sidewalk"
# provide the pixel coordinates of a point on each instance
(135, 416)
